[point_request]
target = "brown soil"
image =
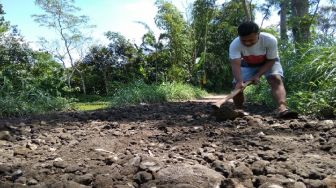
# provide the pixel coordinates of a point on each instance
(167, 145)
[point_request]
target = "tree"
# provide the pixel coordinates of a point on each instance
(284, 10)
(222, 30)
(301, 20)
(60, 16)
(106, 65)
(247, 10)
(203, 13)
(154, 51)
(327, 20)
(3, 24)
(177, 33)
(284, 5)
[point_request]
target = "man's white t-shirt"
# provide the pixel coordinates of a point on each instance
(265, 49)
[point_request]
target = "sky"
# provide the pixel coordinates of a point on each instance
(107, 15)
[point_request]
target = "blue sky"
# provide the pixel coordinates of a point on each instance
(107, 15)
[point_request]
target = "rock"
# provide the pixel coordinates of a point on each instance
(10, 185)
(197, 176)
(84, 179)
(5, 135)
(21, 180)
(269, 155)
(32, 181)
(294, 185)
(315, 183)
(330, 181)
(242, 172)
(59, 164)
(103, 181)
(209, 157)
(20, 150)
(5, 169)
(232, 183)
(142, 177)
(31, 146)
(278, 181)
(259, 167)
(223, 167)
(227, 112)
(271, 185)
(15, 175)
(326, 125)
(111, 159)
(150, 164)
(72, 168)
(254, 122)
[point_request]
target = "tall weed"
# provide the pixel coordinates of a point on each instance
(139, 92)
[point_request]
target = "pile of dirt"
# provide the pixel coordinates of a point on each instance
(167, 145)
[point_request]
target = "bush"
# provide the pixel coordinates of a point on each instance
(33, 102)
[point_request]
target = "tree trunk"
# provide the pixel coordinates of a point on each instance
(247, 10)
(106, 82)
(301, 21)
(283, 19)
(83, 82)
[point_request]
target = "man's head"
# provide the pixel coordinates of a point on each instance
(248, 33)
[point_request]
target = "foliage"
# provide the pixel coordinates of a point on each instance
(60, 15)
(29, 102)
(139, 92)
(104, 67)
(260, 93)
(177, 32)
(155, 55)
(3, 24)
(30, 81)
(310, 81)
(222, 31)
(315, 86)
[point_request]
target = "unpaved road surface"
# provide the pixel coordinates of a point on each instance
(175, 145)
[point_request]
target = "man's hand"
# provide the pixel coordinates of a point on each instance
(255, 79)
(239, 85)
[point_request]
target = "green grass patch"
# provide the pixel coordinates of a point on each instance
(90, 102)
(88, 106)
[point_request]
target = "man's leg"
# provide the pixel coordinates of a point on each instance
(278, 91)
(246, 74)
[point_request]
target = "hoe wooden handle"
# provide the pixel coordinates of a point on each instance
(219, 103)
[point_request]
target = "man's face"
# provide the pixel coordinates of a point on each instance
(250, 39)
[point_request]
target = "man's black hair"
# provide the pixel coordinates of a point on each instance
(246, 28)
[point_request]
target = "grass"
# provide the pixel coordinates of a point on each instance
(90, 102)
(139, 92)
(88, 106)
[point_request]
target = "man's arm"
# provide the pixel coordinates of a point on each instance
(268, 65)
(235, 66)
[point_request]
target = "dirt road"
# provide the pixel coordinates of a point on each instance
(167, 145)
